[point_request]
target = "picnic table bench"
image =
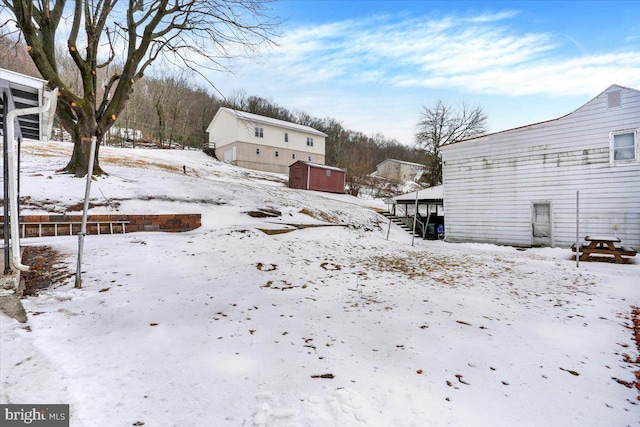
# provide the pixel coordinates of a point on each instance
(605, 245)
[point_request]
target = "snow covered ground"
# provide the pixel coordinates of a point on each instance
(326, 326)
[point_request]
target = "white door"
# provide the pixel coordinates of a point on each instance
(230, 155)
(541, 224)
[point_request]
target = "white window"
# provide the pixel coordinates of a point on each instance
(328, 172)
(259, 132)
(309, 142)
(286, 137)
(277, 154)
(624, 147)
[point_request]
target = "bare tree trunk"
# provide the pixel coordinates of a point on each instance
(91, 106)
(79, 162)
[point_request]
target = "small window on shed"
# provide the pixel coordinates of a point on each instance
(328, 172)
(623, 147)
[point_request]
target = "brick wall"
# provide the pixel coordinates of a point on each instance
(46, 225)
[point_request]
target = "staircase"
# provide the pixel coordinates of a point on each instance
(404, 223)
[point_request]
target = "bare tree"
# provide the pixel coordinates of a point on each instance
(336, 141)
(442, 124)
(142, 32)
(359, 160)
(14, 57)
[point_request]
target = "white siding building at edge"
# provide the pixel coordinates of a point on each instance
(492, 183)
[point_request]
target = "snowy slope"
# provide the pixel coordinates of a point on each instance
(229, 326)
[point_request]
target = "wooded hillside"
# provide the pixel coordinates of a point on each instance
(170, 111)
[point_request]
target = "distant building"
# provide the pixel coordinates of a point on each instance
(312, 176)
(399, 170)
(262, 143)
(126, 134)
(518, 187)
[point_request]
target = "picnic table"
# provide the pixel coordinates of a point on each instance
(605, 245)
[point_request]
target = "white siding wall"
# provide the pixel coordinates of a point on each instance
(273, 136)
(227, 130)
(398, 170)
(223, 130)
(491, 183)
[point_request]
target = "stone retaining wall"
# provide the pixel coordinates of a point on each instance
(46, 225)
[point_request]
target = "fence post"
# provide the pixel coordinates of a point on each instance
(83, 228)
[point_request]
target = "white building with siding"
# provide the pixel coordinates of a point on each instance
(25, 91)
(399, 170)
(518, 187)
(262, 143)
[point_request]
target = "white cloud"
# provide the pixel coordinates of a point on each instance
(483, 54)
(374, 73)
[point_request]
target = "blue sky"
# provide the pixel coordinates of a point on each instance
(374, 64)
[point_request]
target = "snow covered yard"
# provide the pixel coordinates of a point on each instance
(229, 326)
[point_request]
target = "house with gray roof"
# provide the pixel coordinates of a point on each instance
(399, 170)
(262, 143)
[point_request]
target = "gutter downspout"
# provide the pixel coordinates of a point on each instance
(5, 185)
(13, 195)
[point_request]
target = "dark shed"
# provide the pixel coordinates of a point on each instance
(313, 176)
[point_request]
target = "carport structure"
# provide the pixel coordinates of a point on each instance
(429, 215)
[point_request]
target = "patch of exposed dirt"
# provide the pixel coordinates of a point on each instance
(266, 267)
(320, 215)
(47, 269)
(78, 207)
(265, 213)
(58, 207)
(272, 232)
(633, 362)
